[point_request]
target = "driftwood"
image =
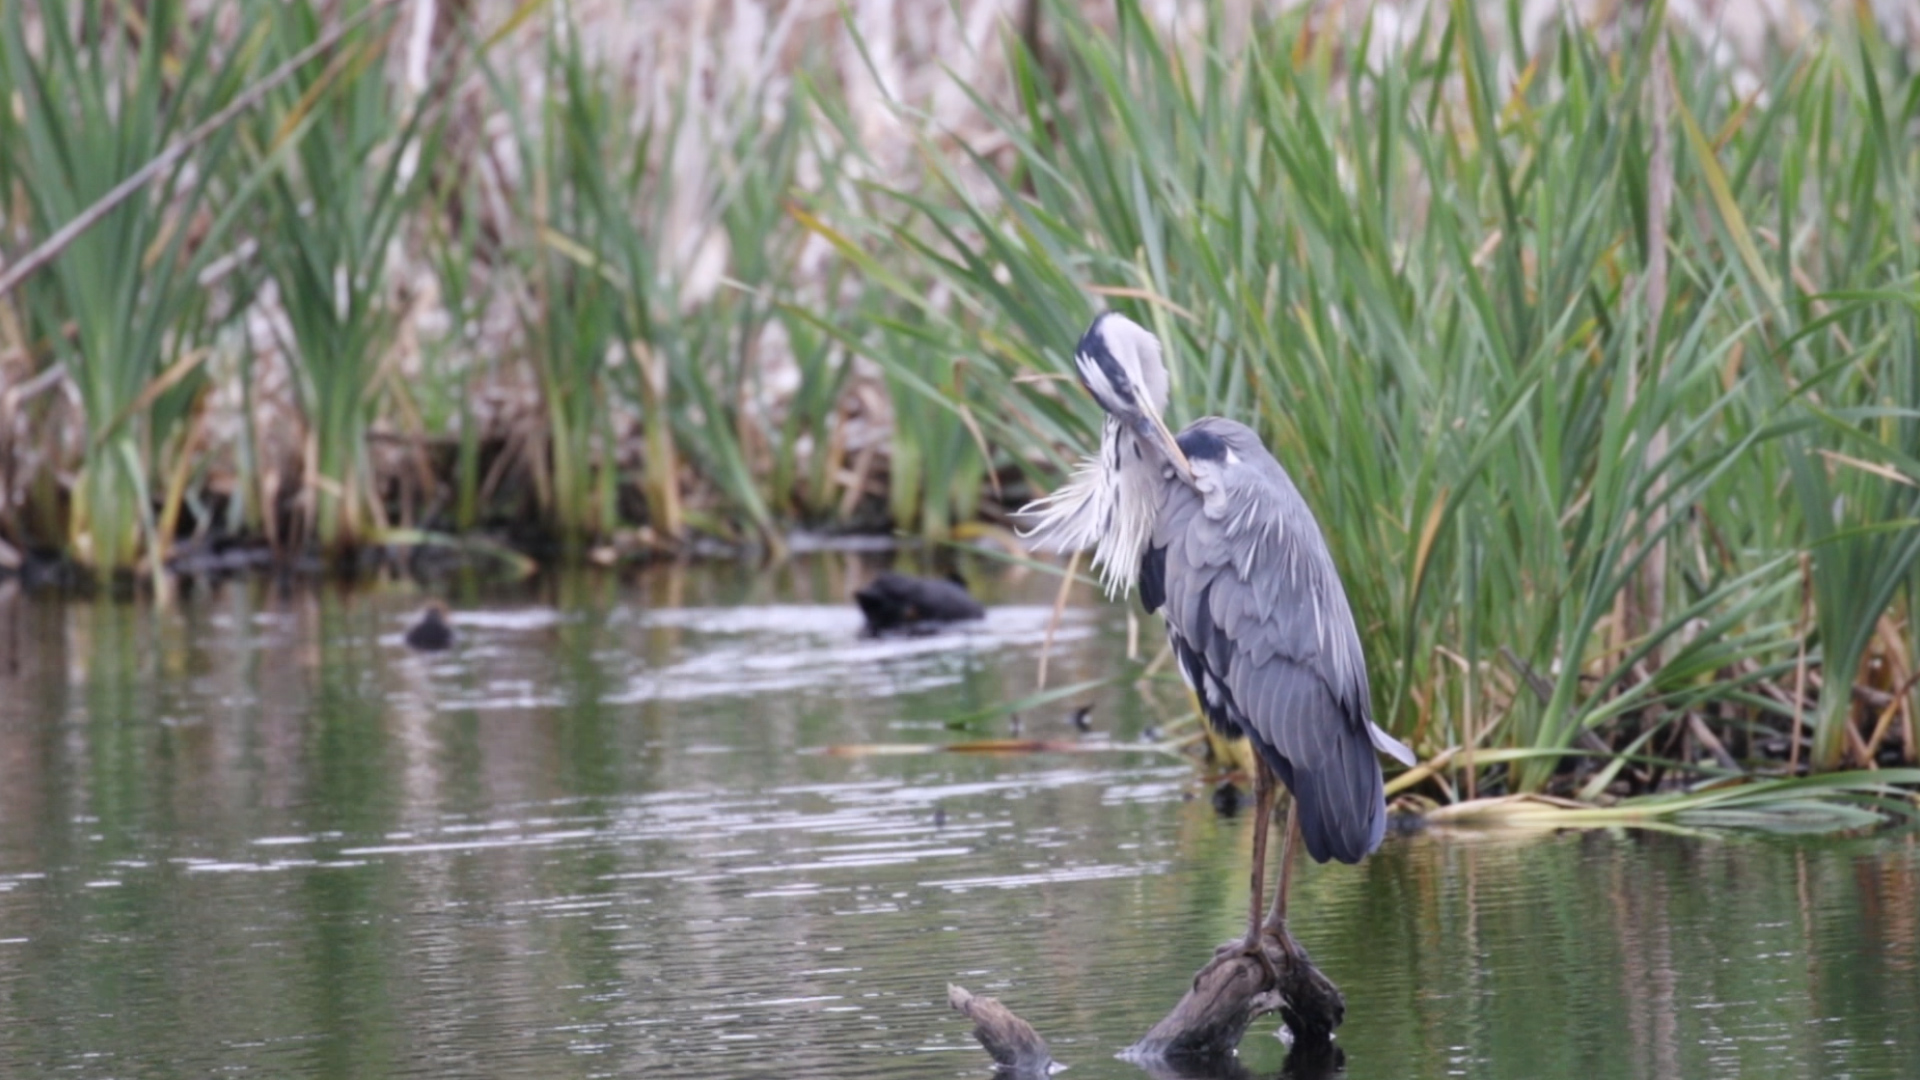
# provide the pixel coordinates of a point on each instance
(1323, 1062)
(1197, 1039)
(1016, 1048)
(1236, 989)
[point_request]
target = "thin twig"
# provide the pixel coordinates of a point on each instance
(1858, 745)
(1800, 666)
(1706, 738)
(1884, 472)
(1159, 661)
(1059, 608)
(1538, 683)
(1899, 703)
(39, 384)
(1906, 729)
(1896, 705)
(126, 189)
(1427, 768)
(1649, 606)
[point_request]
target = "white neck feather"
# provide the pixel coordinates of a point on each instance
(1108, 505)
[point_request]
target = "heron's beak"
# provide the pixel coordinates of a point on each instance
(1154, 431)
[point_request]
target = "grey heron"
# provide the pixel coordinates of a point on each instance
(1211, 530)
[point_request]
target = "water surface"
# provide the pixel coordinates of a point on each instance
(253, 835)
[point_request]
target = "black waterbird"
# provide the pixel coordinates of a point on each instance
(896, 602)
(431, 633)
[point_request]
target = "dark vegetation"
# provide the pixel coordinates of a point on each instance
(1599, 359)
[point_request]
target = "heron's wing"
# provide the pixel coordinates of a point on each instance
(1260, 623)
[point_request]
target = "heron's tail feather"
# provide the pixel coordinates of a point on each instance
(1340, 798)
(1390, 746)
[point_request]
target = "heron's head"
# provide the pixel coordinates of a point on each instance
(1120, 365)
(1110, 503)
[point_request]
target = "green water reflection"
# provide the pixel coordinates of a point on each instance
(252, 835)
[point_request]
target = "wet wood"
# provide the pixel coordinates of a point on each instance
(1326, 1061)
(1015, 1047)
(1198, 1038)
(1233, 991)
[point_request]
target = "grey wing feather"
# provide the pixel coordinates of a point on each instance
(1260, 621)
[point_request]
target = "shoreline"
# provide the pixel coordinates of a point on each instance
(430, 555)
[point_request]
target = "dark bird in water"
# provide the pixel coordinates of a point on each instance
(1083, 718)
(1212, 531)
(895, 603)
(1226, 799)
(431, 633)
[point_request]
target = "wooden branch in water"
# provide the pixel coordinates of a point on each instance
(1326, 1061)
(1225, 998)
(1198, 1038)
(1015, 1047)
(1233, 991)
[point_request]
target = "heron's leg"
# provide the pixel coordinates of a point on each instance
(1262, 816)
(1277, 918)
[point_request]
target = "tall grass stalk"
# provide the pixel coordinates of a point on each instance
(1846, 208)
(343, 155)
(567, 305)
(660, 254)
(1424, 282)
(101, 93)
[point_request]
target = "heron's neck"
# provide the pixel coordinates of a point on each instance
(1130, 497)
(1107, 505)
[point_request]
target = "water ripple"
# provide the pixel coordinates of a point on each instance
(734, 652)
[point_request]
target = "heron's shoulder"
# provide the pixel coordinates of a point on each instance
(1210, 437)
(1236, 472)
(1227, 444)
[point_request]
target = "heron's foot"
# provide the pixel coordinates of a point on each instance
(1254, 945)
(1249, 945)
(1275, 932)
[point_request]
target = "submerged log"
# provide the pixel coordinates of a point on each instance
(1233, 991)
(1015, 1047)
(1324, 1062)
(1198, 1038)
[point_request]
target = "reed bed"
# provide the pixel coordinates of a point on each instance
(1594, 343)
(1600, 374)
